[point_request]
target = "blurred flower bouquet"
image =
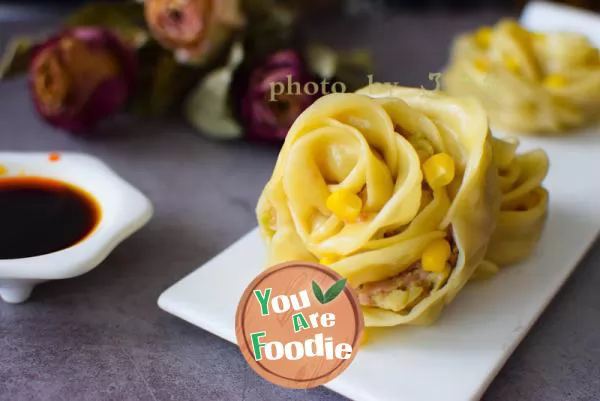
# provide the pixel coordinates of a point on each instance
(235, 68)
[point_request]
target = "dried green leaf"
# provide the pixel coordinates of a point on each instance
(236, 56)
(164, 75)
(353, 68)
(108, 15)
(124, 19)
(134, 37)
(271, 26)
(269, 9)
(17, 57)
(208, 108)
(349, 67)
(359, 58)
(163, 82)
(322, 61)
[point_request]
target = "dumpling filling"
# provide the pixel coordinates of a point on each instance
(404, 291)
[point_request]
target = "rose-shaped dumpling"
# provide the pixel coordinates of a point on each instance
(395, 189)
(524, 206)
(528, 82)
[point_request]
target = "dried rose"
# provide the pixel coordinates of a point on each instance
(275, 95)
(194, 29)
(80, 77)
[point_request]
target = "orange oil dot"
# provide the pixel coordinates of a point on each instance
(54, 157)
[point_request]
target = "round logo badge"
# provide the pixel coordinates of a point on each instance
(299, 325)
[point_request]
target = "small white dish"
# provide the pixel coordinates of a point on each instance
(123, 210)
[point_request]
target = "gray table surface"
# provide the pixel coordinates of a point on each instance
(102, 337)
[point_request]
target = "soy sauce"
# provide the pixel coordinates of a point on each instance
(41, 215)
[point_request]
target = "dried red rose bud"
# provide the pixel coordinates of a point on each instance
(80, 77)
(194, 29)
(266, 113)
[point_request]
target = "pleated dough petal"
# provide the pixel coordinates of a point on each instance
(529, 83)
(373, 144)
(524, 205)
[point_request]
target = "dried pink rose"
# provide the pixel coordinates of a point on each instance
(194, 29)
(80, 77)
(274, 96)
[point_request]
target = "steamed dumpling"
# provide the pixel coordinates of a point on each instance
(528, 82)
(394, 188)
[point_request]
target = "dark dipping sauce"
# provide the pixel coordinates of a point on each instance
(41, 215)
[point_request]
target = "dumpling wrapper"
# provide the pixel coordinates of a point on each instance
(512, 87)
(524, 206)
(351, 142)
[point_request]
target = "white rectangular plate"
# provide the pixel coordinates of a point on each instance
(463, 351)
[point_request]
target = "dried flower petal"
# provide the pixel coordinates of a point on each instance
(193, 29)
(80, 77)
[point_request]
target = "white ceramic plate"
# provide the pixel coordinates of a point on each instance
(124, 210)
(458, 357)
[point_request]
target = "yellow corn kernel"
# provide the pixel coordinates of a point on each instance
(555, 81)
(483, 37)
(328, 260)
(439, 170)
(511, 63)
(482, 64)
(345, 205)
(3, 170)
(435, 256)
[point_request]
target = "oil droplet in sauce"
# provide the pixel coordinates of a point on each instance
(41, 215)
